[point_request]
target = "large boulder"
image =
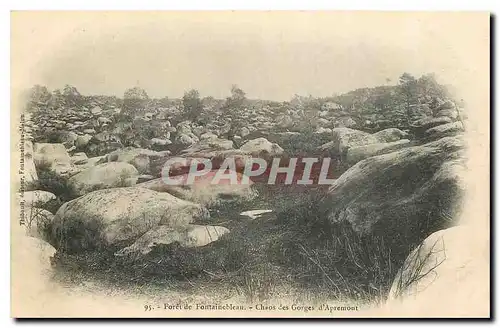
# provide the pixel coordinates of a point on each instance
(420, 126)
(32, 275)
(453, 262)
(356, 154)
(430, 122)
(261, 147)
(105, 217)
(104, 176)
(54, 155)
(189, 236)
(407, 193)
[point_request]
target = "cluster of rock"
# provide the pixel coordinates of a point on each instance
(354, 145)
(426, 178)
(448, 120)
(123, 200)
(396, 187)
(98, 131)
(74, 126)
(394, 181)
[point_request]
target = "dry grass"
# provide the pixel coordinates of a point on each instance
(419, 265)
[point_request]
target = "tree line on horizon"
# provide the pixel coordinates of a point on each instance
(398, 100)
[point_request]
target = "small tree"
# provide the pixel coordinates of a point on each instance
(192, 104)
(38, 95)
(71, 96)
(430, 89)
(233, 107)
(133, 99)
(408, 92)
(238, 97)
(56, 99)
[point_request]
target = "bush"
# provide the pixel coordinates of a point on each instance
(50, 181)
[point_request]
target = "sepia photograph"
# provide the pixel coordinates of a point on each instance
(257, 164)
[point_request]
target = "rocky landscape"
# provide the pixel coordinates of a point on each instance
(96, 201)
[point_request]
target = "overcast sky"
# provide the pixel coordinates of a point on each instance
(269, 55)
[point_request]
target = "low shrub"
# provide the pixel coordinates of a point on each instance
(50, 181)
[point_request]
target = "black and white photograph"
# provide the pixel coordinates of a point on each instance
(326, 164)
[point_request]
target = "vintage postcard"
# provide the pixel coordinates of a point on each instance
(250, 164)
